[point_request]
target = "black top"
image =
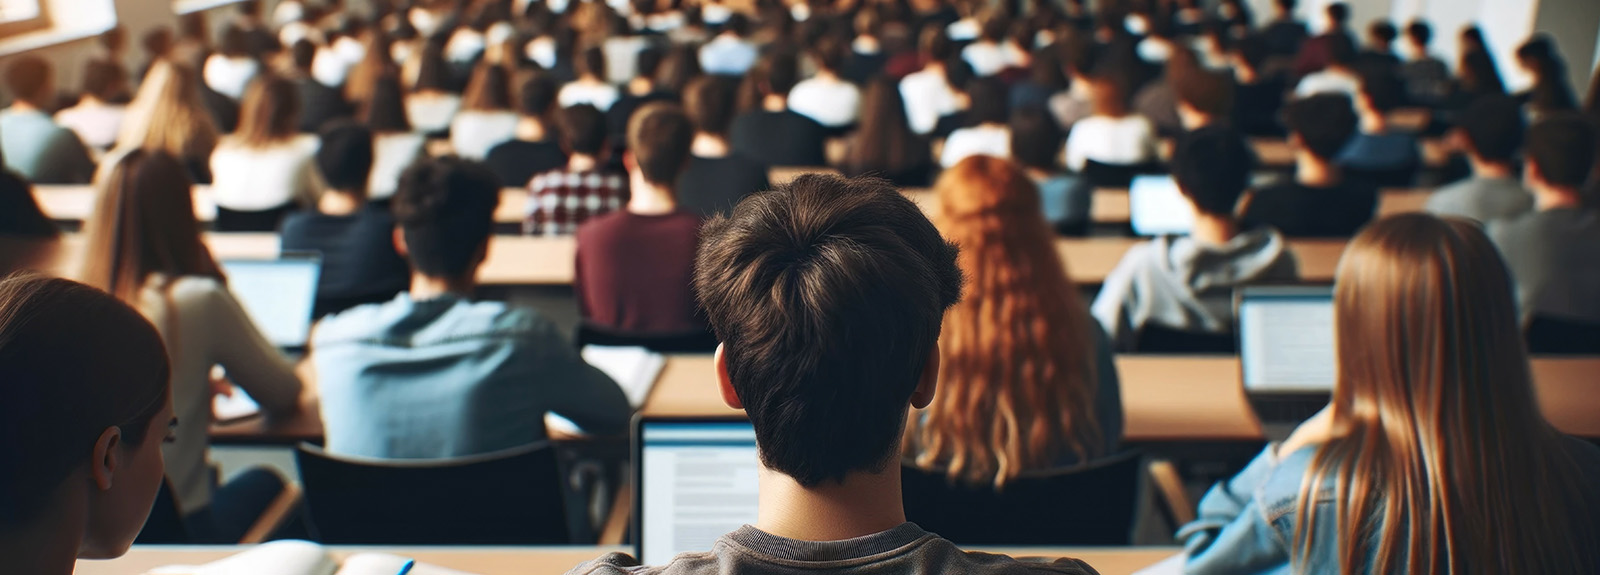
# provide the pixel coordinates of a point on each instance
(779, 138)
(359, 262)
(618, 115)
(20, 215)
(860, 68)
(517, 161)
(714, 185)
(1256, 107)
(1284, 37)
(1304, 211)
(224, 111)
(319, 105)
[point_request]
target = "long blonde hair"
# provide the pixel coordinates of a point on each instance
(1440, 461)
(1017, 377)
(167, 114)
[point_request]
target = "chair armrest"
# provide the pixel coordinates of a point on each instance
(1164, 475)
(274, 516)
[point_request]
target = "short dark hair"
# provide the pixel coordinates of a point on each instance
(709, 102)
(27, 79)
(936, 44)
(304, 53)
(1382, 90)
(1419, 32)
(830, 54)
(659, 135)
(445, 208)
(1341, 50)
(1324, 122)
(1207, 91)
(649, 61)
(1253, 50)
(1338, 14)
(583, 129)
(1383, 31)
(989, 99)
(1036, 139)
(827, 295)
(780, 73)
(235, 42)
(1493, 126)
(1212, 167)
(345, 156)
(592, 61)
(538, 94)
(105, 80)
(1562, 146)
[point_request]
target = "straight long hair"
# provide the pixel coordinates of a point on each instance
(885, 141)
(1017, 378)
(1441, 461)
(270, 113)
(144, 224)
(167, 114)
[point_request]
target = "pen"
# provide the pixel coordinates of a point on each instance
(407, 567)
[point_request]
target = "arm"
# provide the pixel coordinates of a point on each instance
(1118, 297)
(1232, 534)
(252, 362)
(69, 160)
(1076, 155)
(576, 390)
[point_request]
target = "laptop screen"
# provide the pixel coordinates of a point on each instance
(1157, 208)
(1286, 338)
(278, 294)
(697, 482)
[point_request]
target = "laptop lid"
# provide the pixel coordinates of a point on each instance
(1157, 208)
(1286, 339)
(695, 479)
(279, 294)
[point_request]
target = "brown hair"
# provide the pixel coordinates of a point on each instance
(709, 102)
(885, 142)
(376, 62)
(270, 112)
(1017, 377)
(144, 224)
(1108, 96)
(167, 114)
(659, 136)
(489, 90)
(1209, 92)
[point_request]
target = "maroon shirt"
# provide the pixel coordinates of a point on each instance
(634, 273)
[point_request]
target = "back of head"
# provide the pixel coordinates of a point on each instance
(936, 44)
(489, 90)
(884, 141)
(304, 54)
(1341, 50)
(827, 295)
(166, 114)
(433, 72)
(583, 129)
(680, 66)
(235, 43)
(1036, 139)
(1478, 73)
(648, 62)
(445, 208)
(709, 102)
(781, 72)
(1381, 90)
(143, 224)
(1338, 14)
(1382, 32)
(1561, 149)
(345, 157)
(1212, 167)
(385, 112)
(993, 27)
(659, 135)
(990, 104)
(829, 54)
(74, 362)
(539, 93)
(1210, 92)
(1419, 32)
(105, 80)
(1493, 127)
(592, 62)
(157, 42)
(270, 112)
(1253, 50)
(28, 79)
(1324, 123)
(1108, 96)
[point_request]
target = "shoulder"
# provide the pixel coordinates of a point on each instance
(977, 563)
(612, 564)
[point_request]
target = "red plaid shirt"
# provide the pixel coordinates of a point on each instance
(559, 200)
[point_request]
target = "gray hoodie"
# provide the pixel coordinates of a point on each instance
(1179, 283)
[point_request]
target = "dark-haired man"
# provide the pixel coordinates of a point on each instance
(1554, 251)
(828, 296)
(1427, 77)
(34, 146)
(1320, 201)
(319, 103)
(433, 374)
(775, 135)
(1378, 154)
(559, 200)
(535, 148)
(827, 98)
(718, 175)
(1490, 131)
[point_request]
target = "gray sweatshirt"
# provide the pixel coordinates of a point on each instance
(1182, 284)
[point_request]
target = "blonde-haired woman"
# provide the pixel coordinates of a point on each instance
(486, 118)
(260, 171)
(1433, 456)
(168, 115)
(1026, 380)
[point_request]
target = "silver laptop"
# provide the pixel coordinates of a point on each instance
(695, 480)
(279, 294)
(1157, 208)
(1286, 352)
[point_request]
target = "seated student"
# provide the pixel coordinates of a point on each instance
(167, 114)
(827, 98)
(1320, 201)
(230, 70)
(590, 87)
(486, 119)
(1378, 57)
(1554, 250)
(1339, 77)
(642, 89)
(434, 374)
(1204, 99)
(988, 55)
(634, 266)
(1491, 134)
(536, 148)
(97, 117)
(34, 146)
(1186, 283)
(1113, 135)
(828, 296)
(394, 145)
(144, 247)
(1257, 96)
(84, 412)
(1433, 409)
(561, 199)
(718, 175)
(1427, 78)
(986, 132)
(756, 132)
(884, 145)
(433, 101)
(260, 172)
(28, 239)
(1377, 154)
(960, 77)
(319, 103)
(866, 59)
(927, 92)
(1077, 59)
(354, 237)
(1036, 146)
(730, 54)
(1021, 338)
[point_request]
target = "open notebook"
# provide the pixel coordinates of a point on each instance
(635, 370)
(303, 558)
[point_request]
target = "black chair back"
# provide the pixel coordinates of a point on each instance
(696, 342)
(511, 497)
(237, 221)
(1102, 175)
(1551, 336)
(1160, 339)
(1091, 505)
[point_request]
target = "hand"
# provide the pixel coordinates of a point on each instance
(1316, 430)
(221, 386)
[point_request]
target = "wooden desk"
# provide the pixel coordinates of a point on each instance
(557, 560)
(76, 203)
(1277, 153)
(1112, 206)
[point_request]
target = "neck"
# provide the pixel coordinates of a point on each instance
(530, 129)
(1214, 230)
(91, 101)
(24, 106)
(1486, 169)
(1373, 122)
(1549, 197)
(641, 86)
(1192, 119)
(1245, 75)
(338, 203)
(425, 287)
(582, 163)
(1037, 173)
(1313, 171)
(864, 504)
(775, 103)
(826, 75)
(48, 546)
(709, 146)
(649, 199)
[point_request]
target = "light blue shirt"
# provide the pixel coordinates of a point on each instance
(726, 56)
(42, 151)
(449, 377)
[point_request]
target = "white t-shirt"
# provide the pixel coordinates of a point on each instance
(1129, 140)
(601, 96)
(831, 102)
(976, 141)
(230, 76)
(256, 179)
(1328, 82)
(96, 124)
(928, 97)
(391, 155)
(432, 113)
(988, 59)
(474, 133)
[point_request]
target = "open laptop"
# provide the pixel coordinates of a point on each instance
(1157, 208)
(695, 479)
(1286, 340)
(278, 295)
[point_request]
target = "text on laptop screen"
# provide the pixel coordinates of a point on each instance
(698, 482)
(278, 295)
(1157, 208)
(1286, 338)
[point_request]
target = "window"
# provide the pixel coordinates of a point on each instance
(18, 16)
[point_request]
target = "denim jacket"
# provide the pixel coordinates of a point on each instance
(449, 377)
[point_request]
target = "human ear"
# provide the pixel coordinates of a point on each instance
(725, 385)
(928, 383)
(107, 454)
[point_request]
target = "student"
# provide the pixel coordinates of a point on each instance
(97, 117)
(828, 296)
(590, 87)
(1204, 98)
(230, 70)
(1319, 51)
(486, 119)
(1257, 96)
(562, 199)
(1338, 77)
(536, 147)
(1113, 135)
(1284, 36)
(1376, 153)
(1075, 103)
(867, 58)
(927, 92)
(642, 89)
(729, 54)
(84, 413)
(1036, 147)
(1551, 92)
(1554, 251)
(1490, 132)
(319, 103)
(1378, 57)
(354, 237)
(884, 145)
(20, 216)
(1427, 78)
(394, 145)
(1186, 283)
(261, 171)
(634, 266)
(827, 98)
(718, 175)
(433, 102)
(144, 247)
(1433, 409)
(988, 56)
(1019, 330)
(803, 140)
(167, 115)
(1046, 78)
(1320, 201)
(34, 146)
(987, 132)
